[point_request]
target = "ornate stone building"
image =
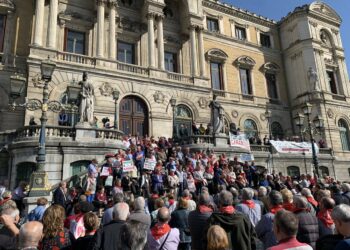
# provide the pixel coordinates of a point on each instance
(153, 50)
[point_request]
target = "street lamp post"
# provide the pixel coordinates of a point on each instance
(116, 94)
(310, 129)
(39, 185)
(173, 105)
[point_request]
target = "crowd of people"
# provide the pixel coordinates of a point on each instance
(181, 200)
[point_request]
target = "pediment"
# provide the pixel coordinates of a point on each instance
(7, 4)
(325, 9)
(270, 67)
(216, 54)
(245, 61)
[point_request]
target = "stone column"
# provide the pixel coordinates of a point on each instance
(160, 39)
(52, 29)
(100, 28)
(202, 68)
(112, 34)
(193, 50)
(8, 40)
(151, 61)
(39, 22)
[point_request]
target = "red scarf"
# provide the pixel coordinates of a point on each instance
(275, 209)
(154, 196)
(325, 216)
(159, 230)
(227, 210)
(249, 203)
(289, 206)
(205, 209)
(171, 202)
(312, 201)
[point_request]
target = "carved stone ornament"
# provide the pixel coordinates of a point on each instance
(37, 81)
(330, 113)
(8, 4)
(126, 23)
(234, 113)
(262, 117)
(106, 89)
(270, 67)
(216, 54)
(246, 61)
(203, 102)
(324, 9)
(159, 97)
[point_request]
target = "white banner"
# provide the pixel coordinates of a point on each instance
(290, 147)
(239, 141)
(128, 166)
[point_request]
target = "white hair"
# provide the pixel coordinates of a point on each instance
(121, 211)
(341, 213)
(262, 191)
(345, 187)
(139, 203)
(13, 212)
(247, 194)
(306, 192)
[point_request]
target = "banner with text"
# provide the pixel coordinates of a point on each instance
(149, 164)
(239, 141)
(128, 166)
(246, 157)
(290, 147)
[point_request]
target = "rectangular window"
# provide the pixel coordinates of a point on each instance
(212, 25)
(332, 82)
(170, 62)
(2, 31)
(126, 52)
(265, 40)
(271, 85)
(216, 75)
(245, 81)
(241, 33)
(74, 42)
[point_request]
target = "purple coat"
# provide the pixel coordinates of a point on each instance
(171, 243)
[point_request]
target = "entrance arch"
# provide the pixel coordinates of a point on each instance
(133, 113)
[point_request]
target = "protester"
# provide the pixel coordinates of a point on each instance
(285, 229)
(162, 236)
(29, 235)
(249, 207)
(55, 236)
(91, 224)
(139, 213)
(134, 235)
(60, 194)
(237, 225)
(217, 238)
(341, 218)
(325, 222)
(9, 218)
(37, 213)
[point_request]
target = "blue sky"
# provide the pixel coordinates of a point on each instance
(276, 9)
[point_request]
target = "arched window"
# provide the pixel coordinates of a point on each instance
(324, 171)
(277, 130)
(250, 128)
(24, 171)
(293, 171)
(182, 123)
(344, 134)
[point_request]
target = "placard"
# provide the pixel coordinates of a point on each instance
(149, 164)
(128, 166)
(239, 141)
(246, 157)
(105, 171)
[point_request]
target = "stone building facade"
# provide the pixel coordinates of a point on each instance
(155, 50)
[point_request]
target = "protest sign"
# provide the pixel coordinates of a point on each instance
(105, 171)
(239, 141)
(246, 157)
(149, 164)
(128, 166)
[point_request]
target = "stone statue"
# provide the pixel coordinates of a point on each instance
(217, 116)
(313, 79)
(87, 102)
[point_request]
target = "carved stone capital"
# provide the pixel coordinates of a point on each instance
(101, 2)
(151, 15)
(106, 89)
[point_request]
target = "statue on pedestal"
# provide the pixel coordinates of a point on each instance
(313, 79)
(87, 101)
(217, 116)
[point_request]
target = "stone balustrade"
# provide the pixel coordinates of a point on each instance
(179, 77)
(76, 58)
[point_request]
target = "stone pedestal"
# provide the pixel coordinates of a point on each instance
(30, 202)
(221, 140)
(84, 132)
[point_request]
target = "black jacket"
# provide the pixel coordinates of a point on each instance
(238, 227)
(308, 228)
(59, 197)
(109, 237)
(179, 220)
(197, 222)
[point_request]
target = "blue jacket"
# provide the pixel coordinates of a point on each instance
(37, 213)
